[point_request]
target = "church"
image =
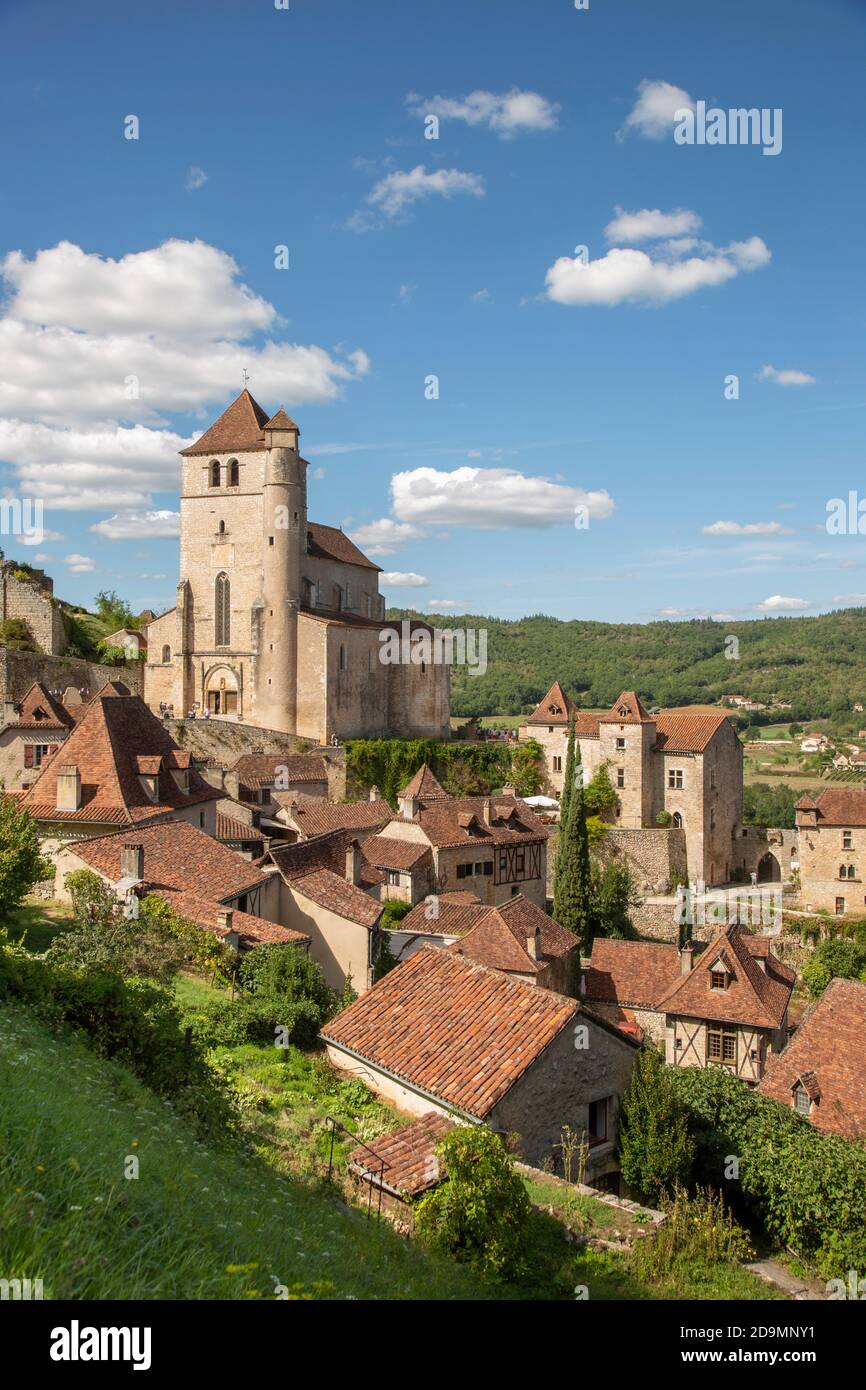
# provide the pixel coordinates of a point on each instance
(279, 622)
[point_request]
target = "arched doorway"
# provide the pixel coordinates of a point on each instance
(769, 870)
(221, 691)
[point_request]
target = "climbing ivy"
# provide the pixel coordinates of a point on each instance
(463, 770)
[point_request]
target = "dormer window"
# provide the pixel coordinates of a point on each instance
(623, 711)
(719, 977)
(802, 1100)
(554, 709)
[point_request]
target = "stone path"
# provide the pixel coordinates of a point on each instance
(789, 1284)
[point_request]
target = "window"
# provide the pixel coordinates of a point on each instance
(234, 473)
(214, 474)
(620, 777)
(597, 1120)
(840, 907)
(520, 861)
(620, 743)
(201, 820)
(722, 1045)
(39, 751)
(393, 876)
(488, 868)
(847, 839)
(166, 654)
(222, 610)
(719, 977)
(557, 764)
(802, 1101)
(344, 660)
(675, 779)
(677, 821)
(222, 528)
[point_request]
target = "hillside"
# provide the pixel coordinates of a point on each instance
(819, 664)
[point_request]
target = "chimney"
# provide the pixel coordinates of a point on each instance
(225, 916)
(231, 783)
(10, 712)
(353, 862)
(409, 806)
(686, 957)
(533, 944)
(487, 814)
(132, 862)
(68, 788)
(374, 793)
(509, 789)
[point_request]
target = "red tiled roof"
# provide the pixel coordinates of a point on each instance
(460, 1032)
(40, 710)
(555, 708)
(523, 917)
(423, 784)
(686, 733)
(448, 914)
(262, 769)
(252, 930)
(238, 430)
(449, 823)
(500, 938)
(827, 1054)
(323, 852)
(315, 816)
(227, 828)
(404, 1161)
(626, 709)
(330, 891)
(281, 421)
(106, 745)
(634, 974)
(753, 996)
(837, 806)
(330, 543)
(177, 856)
(387, 852)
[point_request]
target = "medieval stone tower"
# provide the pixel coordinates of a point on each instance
(279, 620)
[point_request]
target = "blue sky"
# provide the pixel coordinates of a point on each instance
(559, 385)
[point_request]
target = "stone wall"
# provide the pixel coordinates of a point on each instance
(19, 670)
(33, 603)
(224, 741)
(656, 858)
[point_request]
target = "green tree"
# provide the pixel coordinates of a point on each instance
(105, 939)
(656, 1150)
(573, 881)
(16, 635)
(480, 1213)
(615, 895)
(384, 958)
(22, 864)
(113, 610)
(833, 959)
(601, 799)
(527, 767)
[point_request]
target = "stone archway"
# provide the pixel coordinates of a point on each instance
(221, 694)
(769, 869)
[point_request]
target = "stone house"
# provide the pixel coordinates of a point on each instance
(118, 767)
(279, 621)
(132, 642)
(326, 890)
(493, 845)
(832, 858)
(687, 765)
(728, 1007)
(204, 881)
(30, 734)
(822, 1071)
(270, 780)
(306, 817)
(397, 1168)
(443, 1034)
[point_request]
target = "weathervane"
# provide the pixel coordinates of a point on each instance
(246, 376)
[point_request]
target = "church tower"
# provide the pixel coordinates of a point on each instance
(284, 532)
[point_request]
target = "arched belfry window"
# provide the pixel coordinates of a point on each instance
(214, 473)
(166, 654)
(222, 610)
(234, 473)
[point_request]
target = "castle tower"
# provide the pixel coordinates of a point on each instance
(284, 532)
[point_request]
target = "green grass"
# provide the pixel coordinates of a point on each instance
(36, 923)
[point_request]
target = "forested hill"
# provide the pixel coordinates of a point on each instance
(819, 664)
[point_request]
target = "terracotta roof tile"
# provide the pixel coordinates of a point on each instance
(262, 769)
(330, 543)
(635, 974)
(177, 856)
(228, 828)
(686, 733)
(554, 708)
(404, 1161)
(450, 822)
(40, 710)
(448, 914)
(387, 852)
(460, 1032)
(753, 996)
(838, 806)
(238, 430)
(423, 784)
(330, 891)
(252, 930)
(827, 1054)
(626, 709)
(314, 816)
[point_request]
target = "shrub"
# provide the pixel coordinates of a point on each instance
(393, 911)
(663, 819)
(655, 1148)
(16, 635)
(480, 1213)
(832, 959)
(700, 1231)
(21, 861)
(287, 989)
(103, 938)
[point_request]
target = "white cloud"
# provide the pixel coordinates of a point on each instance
(40, 539)
(481, 297)
(400, 190)
(490, 498)
(627, 275)
(787, 376)
(132, 525)
(43, 559)
(195, 178)
(407, 293)
(79, 564)
(652, 116)
(854, 599)
(777, 603)
(506, 113)
(397, 579)
(750, 528)
(384, 536)
(97, 352)
(649, 223)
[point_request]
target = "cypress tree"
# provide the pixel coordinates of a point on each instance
(573, 885)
